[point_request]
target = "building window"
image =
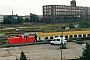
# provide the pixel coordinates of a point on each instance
(49, 13)
(44, 7)
(49, 10)
(49, 7)
(45, 13)
(56, 6)
(44, 10)
(54, 12)
(56, 9)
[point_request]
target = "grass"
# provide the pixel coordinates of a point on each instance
(41, 27)
(37, 28)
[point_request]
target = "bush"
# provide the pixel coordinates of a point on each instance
(23, 56)
(85, 53)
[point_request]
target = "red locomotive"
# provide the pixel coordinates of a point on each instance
(21, 39)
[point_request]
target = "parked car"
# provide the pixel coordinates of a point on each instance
(59, 40)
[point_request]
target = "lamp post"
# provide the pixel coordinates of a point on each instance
(61, 36)
(61, 43)
(12, 17)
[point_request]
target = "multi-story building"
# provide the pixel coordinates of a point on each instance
(65, 13)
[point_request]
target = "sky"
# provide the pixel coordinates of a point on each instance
(25, 7)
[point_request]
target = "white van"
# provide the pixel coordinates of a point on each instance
(57, 40)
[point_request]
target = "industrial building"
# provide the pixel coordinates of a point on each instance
(65, 13)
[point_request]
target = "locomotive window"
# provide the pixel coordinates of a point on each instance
(24, 36)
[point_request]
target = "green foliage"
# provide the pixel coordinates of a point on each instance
(85, 53)
(84, 24)
(19, 20)
(23, 56)
(34, 18)
(70, 24)
(13, 19)
(63, 46)
(27, 20)
(8, 20)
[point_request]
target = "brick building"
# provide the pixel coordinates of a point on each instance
(65, 13)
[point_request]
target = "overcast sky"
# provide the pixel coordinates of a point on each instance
(25, 7)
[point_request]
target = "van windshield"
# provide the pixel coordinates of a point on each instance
(54, 40)
(58, 39)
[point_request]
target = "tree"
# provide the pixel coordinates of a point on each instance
(23, 56)
(8, 20)
(27, 20)
(14, 21)
(20, 20)
(85, 53)
(71, 25)
(5, 20)
(34, 18)
(84, 24)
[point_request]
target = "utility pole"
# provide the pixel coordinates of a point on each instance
(61, 35)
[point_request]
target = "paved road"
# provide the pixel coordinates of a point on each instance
(42, 52)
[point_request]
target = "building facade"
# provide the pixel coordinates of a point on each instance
(1, 18)
(65, 13)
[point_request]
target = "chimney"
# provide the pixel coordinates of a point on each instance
(73, 3)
